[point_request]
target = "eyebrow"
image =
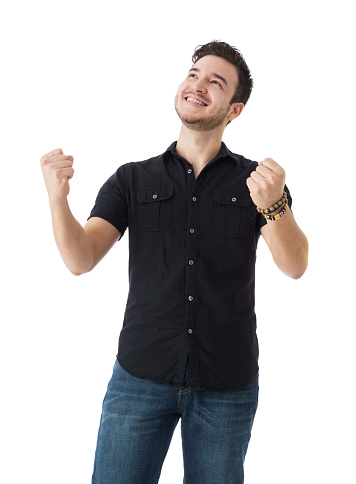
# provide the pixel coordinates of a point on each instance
(213, 74)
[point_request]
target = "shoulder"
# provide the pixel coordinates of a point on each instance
(241, 160)
(133, 174)
(134, 166)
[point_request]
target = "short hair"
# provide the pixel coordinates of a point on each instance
(232, 55)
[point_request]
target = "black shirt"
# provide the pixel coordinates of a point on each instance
(192, 254)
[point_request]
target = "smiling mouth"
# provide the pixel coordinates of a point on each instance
(192, 100)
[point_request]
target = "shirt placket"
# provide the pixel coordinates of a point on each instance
(194, 187)
(191, 263)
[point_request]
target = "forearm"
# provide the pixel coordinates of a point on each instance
(72, 241)
(288, 245)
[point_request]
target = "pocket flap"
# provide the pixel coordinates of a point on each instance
(154, 194)
(233, 198)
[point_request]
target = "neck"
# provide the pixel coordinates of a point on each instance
(198, 147)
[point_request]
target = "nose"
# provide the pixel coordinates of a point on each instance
(199, 86)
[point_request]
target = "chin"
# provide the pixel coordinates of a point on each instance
(196, 123)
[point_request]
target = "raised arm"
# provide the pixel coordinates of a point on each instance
(286, 241)
(81, 248)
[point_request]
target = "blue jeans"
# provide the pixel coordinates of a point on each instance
(137, 424)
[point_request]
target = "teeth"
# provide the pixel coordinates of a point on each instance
(191, 100)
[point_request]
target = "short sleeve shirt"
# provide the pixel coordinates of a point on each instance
(192, 254)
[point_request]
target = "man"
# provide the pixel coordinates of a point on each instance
(188, 347)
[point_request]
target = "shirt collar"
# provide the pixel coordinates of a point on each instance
(222, 153)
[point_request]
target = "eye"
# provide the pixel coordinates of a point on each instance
(192, 75)
(217, 82)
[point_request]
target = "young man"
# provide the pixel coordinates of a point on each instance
(188, 347)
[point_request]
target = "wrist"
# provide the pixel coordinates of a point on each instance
(275, 208)
(277, 214)
(58, 203)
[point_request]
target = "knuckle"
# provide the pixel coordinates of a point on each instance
(57, 151)
(281, 177)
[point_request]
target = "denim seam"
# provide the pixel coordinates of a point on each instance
(179, 395)
(182, 392)
(187, 390)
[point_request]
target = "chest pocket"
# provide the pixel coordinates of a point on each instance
(154, 208)
(233, 214)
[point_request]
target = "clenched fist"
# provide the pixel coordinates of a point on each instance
(57, 170)
(266, 183)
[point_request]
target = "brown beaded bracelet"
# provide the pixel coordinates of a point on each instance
(278, 204)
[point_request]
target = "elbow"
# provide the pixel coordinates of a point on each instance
(79, 271)
(298, 275)
(76, 273)
(79, 267)
(301, 268)
(295, 274)
(304, 264)
(296, 269)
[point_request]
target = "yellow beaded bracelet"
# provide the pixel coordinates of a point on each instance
(278, 215)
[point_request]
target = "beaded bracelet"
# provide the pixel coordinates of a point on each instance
(278, 204)
(278, 215)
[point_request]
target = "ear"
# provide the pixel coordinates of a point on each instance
(235, 111)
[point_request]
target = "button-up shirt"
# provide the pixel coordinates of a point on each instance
(192, 254)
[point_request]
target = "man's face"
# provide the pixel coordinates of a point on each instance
(203, 99)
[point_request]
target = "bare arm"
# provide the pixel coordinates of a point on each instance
(287, 243)
(81, 248)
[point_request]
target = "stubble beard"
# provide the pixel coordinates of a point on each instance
(203, 124)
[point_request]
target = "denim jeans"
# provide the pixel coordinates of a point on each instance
(137, 424)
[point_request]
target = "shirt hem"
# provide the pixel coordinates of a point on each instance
(192, 388)
(157, 380)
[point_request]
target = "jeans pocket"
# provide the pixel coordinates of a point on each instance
(233, 214)
(154, 208)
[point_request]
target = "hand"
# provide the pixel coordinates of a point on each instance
(57, 170)
(266, 183)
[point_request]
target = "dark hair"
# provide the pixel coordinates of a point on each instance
(232, 55)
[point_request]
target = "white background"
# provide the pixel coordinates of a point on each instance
(98, 80)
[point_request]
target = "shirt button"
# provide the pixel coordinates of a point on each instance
(191, 231)
(190, 331)
(190, 298)
(191, 262)
(194, 199)
(154, 196)
(233, 199)
(189, 170)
